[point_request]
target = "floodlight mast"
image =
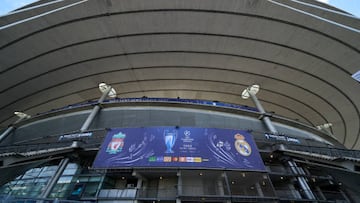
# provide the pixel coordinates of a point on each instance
(107, 90)
(22, 116)
(251, 92)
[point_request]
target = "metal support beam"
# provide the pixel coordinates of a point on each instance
(54, 179)
(265, 116)
(6, 133)
(296, 170)
(303, 184)
(95, 110)
(11, 128)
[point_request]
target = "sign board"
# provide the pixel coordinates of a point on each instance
(282, 138)
(75, 136)
(183, 147)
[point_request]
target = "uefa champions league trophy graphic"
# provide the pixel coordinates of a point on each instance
(169, 139)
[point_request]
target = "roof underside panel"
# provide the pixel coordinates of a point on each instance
(302, 56)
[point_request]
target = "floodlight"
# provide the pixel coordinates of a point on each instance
(324, 126)
(103, 87)
(253, 89)
(21, 115)
(356, 76)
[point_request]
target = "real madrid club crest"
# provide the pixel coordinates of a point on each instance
(241, 145)
(116, 144)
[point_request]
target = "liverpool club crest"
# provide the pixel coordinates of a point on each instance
(116, 144)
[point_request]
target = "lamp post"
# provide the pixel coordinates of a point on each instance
(22, 116)
(107, 90)
(251, 92)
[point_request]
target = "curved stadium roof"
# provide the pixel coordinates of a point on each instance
(302, 53)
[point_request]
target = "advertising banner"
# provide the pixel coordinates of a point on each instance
(183, 147)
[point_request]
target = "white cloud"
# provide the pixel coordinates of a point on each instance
(324, 1)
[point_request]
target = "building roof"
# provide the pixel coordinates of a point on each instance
(301, 53)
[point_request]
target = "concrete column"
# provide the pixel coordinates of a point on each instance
(179, 185)
(139, 183)
(95, 110)
(227, 183)
(259, 190)
(220, 186)
(54, 179)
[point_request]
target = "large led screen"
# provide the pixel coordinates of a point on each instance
(183, 147)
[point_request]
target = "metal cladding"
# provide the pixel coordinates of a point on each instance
(302, 54)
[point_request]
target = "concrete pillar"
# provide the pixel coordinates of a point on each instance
(139, 183)
(220, 186)
(259, 190)
(179, 185)
(227, 183)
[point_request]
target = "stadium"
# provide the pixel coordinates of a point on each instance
(144, 101)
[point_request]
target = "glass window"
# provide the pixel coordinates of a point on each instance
(95, 179)
(90, 189)
(46, 173)
(83, 179)
(65, 179)
(196, 183)
(72, 166)
(69, 171)
(249, 184)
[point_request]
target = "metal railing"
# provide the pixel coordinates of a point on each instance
(321, 150)
(11, 199)
(328, 151)
(154, 100)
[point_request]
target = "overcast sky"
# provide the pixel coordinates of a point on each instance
(351, 6)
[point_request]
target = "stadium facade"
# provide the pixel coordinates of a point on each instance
(206, 101)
